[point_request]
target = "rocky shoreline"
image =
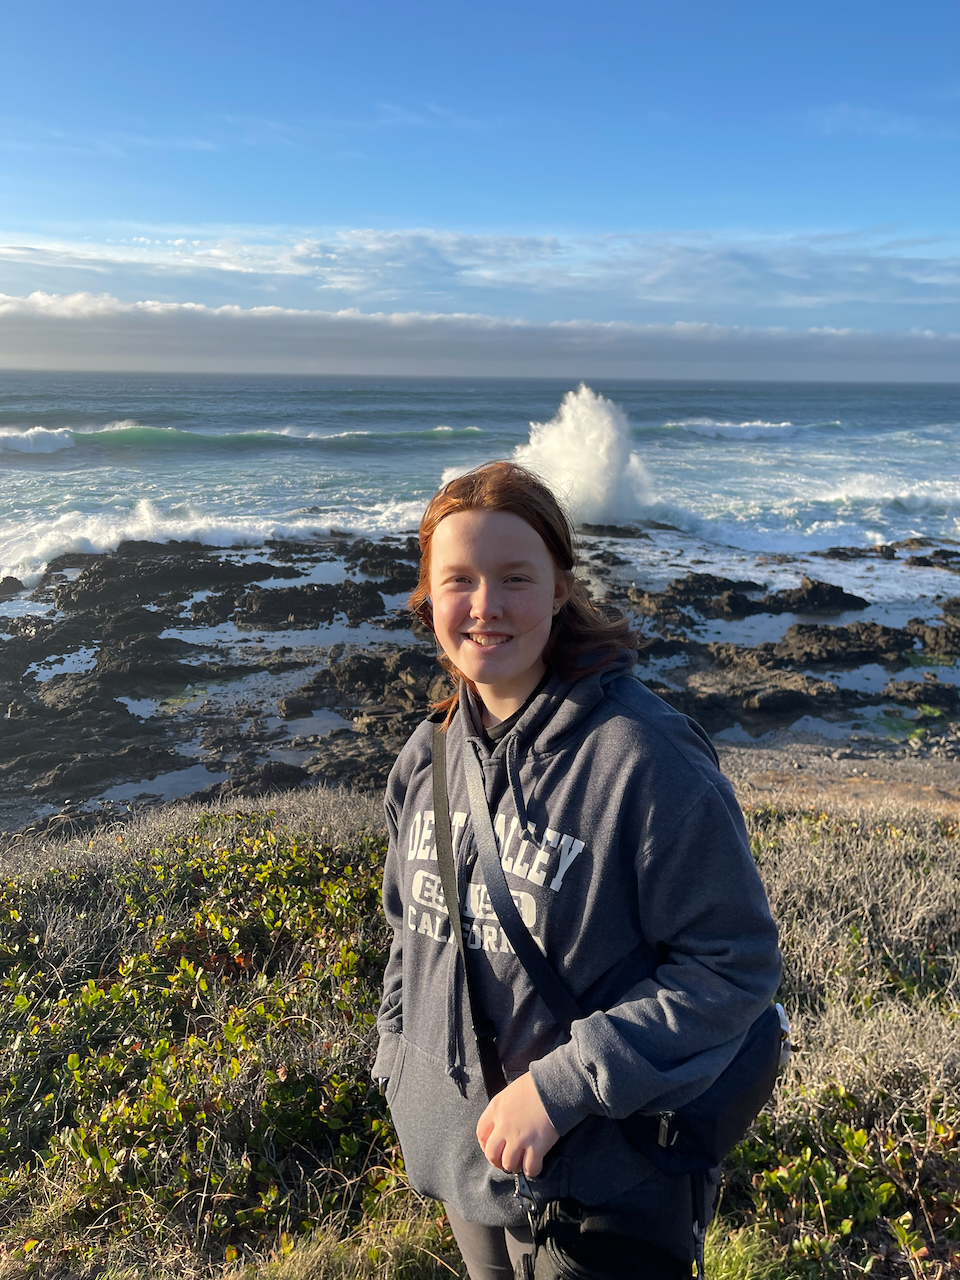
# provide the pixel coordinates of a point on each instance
(128, 677)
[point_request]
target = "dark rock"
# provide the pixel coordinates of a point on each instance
(137, 621)
(146, 571)
(733, 604)
(912, 544)
(853, 644)
(939, 559)
(929, 691)
(762, 657)
(814, 597)
(10, 587)
(273, 776)
(399, 578)
(706, 592)
(308, 606)
(660, 646)
(72, 560)
(143, 657)
(609, 558)
(283, 551)
(619, 531)
(702, 586)
(881, 552)
(293, 707)
(937, 639)
(778, 699)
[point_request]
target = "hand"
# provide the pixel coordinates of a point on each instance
(515, 1131)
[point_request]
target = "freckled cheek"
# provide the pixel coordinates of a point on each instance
(447, 621)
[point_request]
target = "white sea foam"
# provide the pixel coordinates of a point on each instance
(26, 551)
(880, 498)
(584, 455)
(323, 435)
(35, 440)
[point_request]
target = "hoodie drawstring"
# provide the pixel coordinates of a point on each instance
(513, 777)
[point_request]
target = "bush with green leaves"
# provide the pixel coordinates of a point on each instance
(206, 1063)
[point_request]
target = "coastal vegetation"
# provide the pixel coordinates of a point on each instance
(187, 1023)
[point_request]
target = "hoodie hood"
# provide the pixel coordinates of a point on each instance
(554, 712)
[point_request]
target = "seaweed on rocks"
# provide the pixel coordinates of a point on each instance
(929, 692)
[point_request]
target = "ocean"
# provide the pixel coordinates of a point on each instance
(89, 460)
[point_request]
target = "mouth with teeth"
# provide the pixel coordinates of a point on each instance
(486, 641)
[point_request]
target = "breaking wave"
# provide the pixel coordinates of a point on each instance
(584, 454)
(26, 551)
(35, 440)
(128, 435)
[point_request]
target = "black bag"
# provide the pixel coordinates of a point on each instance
(571, 1242)
(689, 1141)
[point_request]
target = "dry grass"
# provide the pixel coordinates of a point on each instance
(868, 899)
(331, 813)
(868, 904)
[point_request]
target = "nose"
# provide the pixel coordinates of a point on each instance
(486, 603)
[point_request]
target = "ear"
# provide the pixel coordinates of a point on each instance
(561, 592)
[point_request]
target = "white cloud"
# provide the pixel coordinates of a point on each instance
(630, 276)
(96, 331)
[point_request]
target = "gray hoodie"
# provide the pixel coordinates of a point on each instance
(638, 882)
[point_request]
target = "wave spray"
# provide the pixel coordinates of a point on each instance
(584, 454)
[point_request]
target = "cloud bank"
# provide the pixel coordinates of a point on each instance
(869, 278)
(85, 331)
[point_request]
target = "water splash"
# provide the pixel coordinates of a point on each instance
(584, 455)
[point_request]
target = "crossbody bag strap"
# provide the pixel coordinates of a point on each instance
(490, 1066)
(546, 981)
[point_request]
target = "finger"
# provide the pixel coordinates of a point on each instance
(484, 1127)
(532, 1162)
(494, 1151)
(511, 1159)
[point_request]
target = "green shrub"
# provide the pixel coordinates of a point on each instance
(207, 1064)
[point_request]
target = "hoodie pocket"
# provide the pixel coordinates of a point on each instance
(393, 1084)
(436, 1126)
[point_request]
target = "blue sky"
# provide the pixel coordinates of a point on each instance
(742, 165)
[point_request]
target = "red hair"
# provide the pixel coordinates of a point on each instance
(583, 639)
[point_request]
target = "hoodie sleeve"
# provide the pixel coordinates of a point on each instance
(700, 898)
(390, 1017)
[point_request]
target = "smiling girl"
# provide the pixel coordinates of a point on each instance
(625, 853)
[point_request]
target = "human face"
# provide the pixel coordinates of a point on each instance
(494, 592)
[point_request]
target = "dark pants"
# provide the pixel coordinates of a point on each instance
(491, 1253)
